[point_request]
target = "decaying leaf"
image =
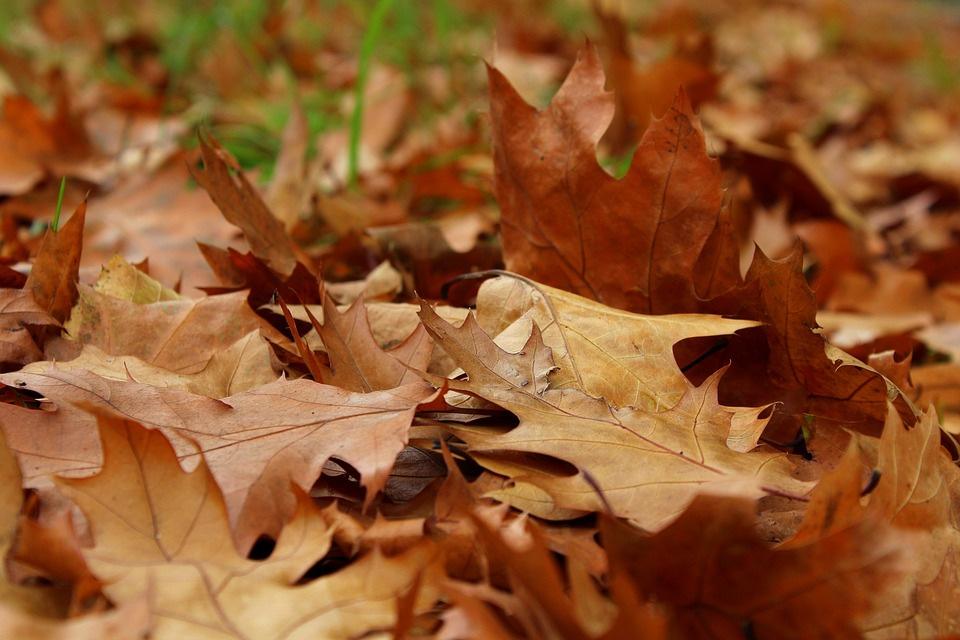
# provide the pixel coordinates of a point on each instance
(284, 432)
(648, 466)
(630, 243)
(161, 531)
(54, 276)
(719, 579)
(240, 204)
(624, 358)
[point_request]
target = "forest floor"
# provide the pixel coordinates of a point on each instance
(465, 319)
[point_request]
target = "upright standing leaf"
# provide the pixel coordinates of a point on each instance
(54, 275)
(241, 205)
(630, 243)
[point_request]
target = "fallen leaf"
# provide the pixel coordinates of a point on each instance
(625, 358)
(120, 279)
(630, 243)
(246, 364)
(390, 323)
(242, 206)
(19, 602)
(649, 466)
(53, 278)
(912, 486)
(384, 283)
(17, 309)
(718, 579)
(177, 335)
(283, 431)
(357, 362)
(161, 531)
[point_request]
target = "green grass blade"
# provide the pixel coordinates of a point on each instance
(370, 40)
(56, 214)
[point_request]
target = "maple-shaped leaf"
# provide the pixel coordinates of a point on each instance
(54, 274)
(242, 206)
(649, 466)
(164, 532)
(256, 443)
(624, 358)
(632, 243)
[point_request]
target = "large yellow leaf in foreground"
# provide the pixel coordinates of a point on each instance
(256, 443)
(164, 532)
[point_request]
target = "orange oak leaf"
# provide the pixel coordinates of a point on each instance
(357, 362)
(256, 443)
(632, 243)
(164, 532)
(718, 579)
(54, 275)
(242, 206)
(647, 465)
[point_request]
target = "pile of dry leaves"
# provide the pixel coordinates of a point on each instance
(677, 359)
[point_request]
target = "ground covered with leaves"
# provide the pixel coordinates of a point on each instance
(405, 319)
